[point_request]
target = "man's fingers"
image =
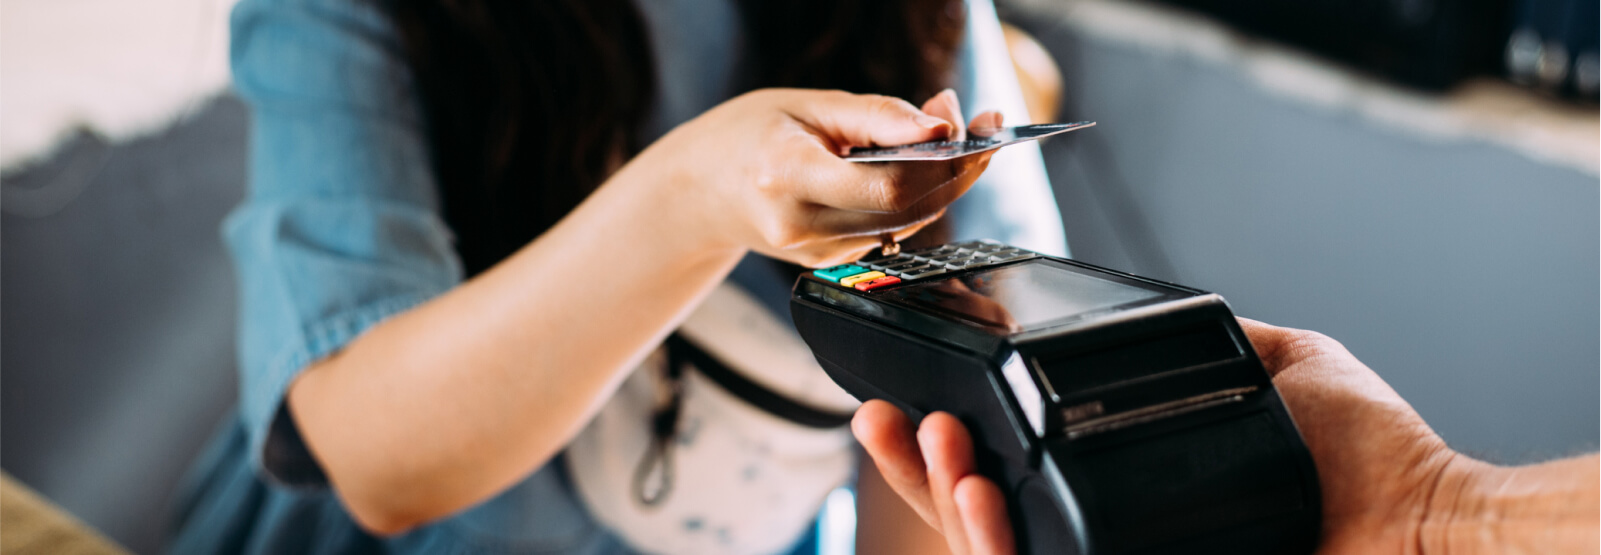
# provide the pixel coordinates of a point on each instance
(983, 511)
(886, 434)
(863, 120)
(948, 454)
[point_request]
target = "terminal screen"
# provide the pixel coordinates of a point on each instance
(1024, 296)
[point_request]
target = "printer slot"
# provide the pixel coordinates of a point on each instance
(1089, 418)
(1072, 377)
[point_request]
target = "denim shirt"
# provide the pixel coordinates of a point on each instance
(341, 228)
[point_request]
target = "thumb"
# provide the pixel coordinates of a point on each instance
(1280, 348)
(865, 120)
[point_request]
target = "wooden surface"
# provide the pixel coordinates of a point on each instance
(30, 524)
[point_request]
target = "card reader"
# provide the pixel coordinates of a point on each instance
(1118, 414)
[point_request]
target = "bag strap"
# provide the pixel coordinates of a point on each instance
(657, 462)
(680, 348)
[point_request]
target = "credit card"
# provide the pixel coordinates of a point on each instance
(946, 150)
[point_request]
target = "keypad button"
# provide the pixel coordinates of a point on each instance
(904, 265)
(877, 283)
(922, 273)
(858, 278)
(921, 263)
(841, 271)
(893, 262)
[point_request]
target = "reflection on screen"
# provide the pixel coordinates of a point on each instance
(1023, 296)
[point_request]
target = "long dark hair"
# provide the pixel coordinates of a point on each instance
(531, 103)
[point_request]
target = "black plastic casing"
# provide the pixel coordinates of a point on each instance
(1145, 428)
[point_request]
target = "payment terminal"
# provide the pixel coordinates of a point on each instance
(1118, 414)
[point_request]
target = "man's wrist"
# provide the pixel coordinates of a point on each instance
(1483, 508)
(1454, 503)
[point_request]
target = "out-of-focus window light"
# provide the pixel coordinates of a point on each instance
(120, 69)
(836, 525)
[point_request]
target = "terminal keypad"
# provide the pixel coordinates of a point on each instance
(881, 271)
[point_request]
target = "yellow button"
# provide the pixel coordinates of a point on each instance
(858, 278)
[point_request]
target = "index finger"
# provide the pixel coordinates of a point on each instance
(850, 120)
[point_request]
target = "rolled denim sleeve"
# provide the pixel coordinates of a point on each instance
(340, 228)
(1013, 201)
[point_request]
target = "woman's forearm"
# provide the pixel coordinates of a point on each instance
(1544, 508)
(447, 404)
(442, 406)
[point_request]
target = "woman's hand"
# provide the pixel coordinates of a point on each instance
(444, 405)
(764, 172)
(1390, 484)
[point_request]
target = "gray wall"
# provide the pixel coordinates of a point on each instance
(1466, 275)
(118, 321)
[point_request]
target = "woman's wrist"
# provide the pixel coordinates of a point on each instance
(667, 195)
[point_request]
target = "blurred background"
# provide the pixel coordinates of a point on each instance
(1416, 178)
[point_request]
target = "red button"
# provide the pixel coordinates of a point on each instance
(877, 283)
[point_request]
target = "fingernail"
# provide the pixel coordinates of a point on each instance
(931, 122)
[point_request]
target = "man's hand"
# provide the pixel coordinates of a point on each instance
(1390, 484)
(1377, 461)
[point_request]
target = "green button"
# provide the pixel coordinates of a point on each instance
(843, 270)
